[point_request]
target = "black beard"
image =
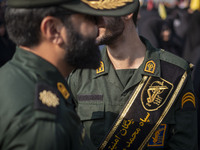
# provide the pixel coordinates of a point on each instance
(115, 29)
(82, 52)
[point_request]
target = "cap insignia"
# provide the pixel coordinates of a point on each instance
(150, 66)
(106, 4)
(48, 98)
(101, 68)
(63, 90)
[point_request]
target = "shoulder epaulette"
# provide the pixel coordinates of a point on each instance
(173, 59)
(46, 98)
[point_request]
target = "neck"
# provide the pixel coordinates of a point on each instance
(53, 55)
(128, 51)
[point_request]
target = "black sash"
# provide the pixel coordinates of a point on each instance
(144, 112)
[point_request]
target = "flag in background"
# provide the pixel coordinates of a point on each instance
(150, 5)
(162, 11)
(195, 5)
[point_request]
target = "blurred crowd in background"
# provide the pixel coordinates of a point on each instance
(173, 25)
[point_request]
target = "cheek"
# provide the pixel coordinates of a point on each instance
(88, 30)
(102, 32)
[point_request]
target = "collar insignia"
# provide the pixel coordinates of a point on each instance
(61, 87)
(150, 67)
(188, 97)
(101, 68)
(155, 93)
(106, 4)
(48, 98)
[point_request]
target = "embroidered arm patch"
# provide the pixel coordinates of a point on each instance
(188, 101)
(158, 138)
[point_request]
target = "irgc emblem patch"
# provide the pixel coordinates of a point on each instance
(155, 93)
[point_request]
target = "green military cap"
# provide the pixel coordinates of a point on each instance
(92, 7)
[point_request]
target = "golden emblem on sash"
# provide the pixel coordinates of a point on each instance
(106, 4)
(101, 68)
(61, 87)
(48, 98)
(150, 66)
(155, 93)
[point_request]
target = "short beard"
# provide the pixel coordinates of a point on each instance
(82, 51)
(114, 30)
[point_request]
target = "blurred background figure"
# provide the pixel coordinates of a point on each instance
(2, 8)
(192, 43)
(7, 47)
(165, 23)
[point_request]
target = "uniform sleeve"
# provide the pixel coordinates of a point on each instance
(32, 133)
(184, 131)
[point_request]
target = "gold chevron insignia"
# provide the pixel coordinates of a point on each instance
(48, 98)
(61, 87)
(188, 97)
(106, 4)
(150, 66)
(101, 68)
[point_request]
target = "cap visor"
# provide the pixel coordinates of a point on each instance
(81, 7)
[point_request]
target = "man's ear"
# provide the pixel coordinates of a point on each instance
(51, 29)
(127, 17)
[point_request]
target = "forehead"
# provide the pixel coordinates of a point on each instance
(82, 17)
(110, 19)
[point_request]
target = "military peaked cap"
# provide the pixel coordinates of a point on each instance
(91, 7)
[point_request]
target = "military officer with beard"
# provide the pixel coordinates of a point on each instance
(52, 37)
(140, 97)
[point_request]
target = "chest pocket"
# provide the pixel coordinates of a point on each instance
(90, 107)
(91, 111)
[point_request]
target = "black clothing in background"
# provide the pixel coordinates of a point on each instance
(7, 49)
(191, 51)
(196, 83)
(149, 25)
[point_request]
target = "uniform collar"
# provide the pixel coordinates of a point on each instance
(152, 58)
(149, 67)
(36, 64)
(40, 69)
